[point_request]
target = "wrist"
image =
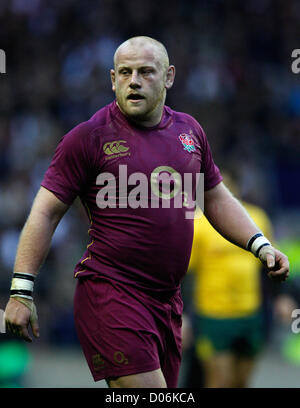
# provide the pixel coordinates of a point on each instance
(256, 243)
(22, 285)
(27, 302)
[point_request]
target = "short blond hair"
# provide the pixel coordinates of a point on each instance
(144, 40)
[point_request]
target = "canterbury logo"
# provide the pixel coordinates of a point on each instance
(115, 147)
(98, 362)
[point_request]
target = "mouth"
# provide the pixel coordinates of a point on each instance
(135, 97)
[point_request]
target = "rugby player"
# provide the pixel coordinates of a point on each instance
(227, 318)
(127, 304)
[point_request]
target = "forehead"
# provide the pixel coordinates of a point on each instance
(133, 56)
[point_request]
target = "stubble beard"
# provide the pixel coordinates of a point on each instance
(144, 114)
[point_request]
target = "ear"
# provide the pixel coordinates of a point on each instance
(112, 77)
(170, 77)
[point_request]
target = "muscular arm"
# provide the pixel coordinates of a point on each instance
(228, 216)
(33, 247)
(35, 239)
(232, 221)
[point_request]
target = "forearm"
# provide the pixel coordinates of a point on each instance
(34, 243)
(33, 247)
(37, 233)
(229, 217)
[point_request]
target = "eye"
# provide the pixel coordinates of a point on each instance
(124, 72)
(147, 71)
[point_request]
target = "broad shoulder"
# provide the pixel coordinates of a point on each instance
(185, 119)
(85, 130)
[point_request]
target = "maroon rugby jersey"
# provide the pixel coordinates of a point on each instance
(145, 247)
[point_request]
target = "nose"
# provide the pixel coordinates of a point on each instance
(135, 80)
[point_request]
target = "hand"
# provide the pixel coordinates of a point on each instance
(19, 313)
(276, 262)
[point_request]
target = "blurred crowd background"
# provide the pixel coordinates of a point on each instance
(233, 61)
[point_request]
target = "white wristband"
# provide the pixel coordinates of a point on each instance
(22, 285)
(259, 243)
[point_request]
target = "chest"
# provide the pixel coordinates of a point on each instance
(147, 152)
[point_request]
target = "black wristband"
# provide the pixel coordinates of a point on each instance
(24, 276)
(21, 292)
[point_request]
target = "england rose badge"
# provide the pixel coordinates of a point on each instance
(187, 142)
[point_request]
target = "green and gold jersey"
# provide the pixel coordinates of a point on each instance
(227, 278)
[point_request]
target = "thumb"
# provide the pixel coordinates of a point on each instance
(270, 260)
(34, 322)
(267, 256)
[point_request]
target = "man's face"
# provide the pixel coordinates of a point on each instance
(140, 80)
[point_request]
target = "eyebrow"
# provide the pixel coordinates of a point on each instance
(139, 68)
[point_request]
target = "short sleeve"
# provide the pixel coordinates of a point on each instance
(212, 175)
(70, 168)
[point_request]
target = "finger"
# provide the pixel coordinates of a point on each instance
(282, 271)
(270, 260)
(284, 264)
(281, 274)
(18, 330)
(267, 256)
(34, 321)
(25, 334)
(11, 328)
(8, 327)
(14, 330)
(35, 325)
